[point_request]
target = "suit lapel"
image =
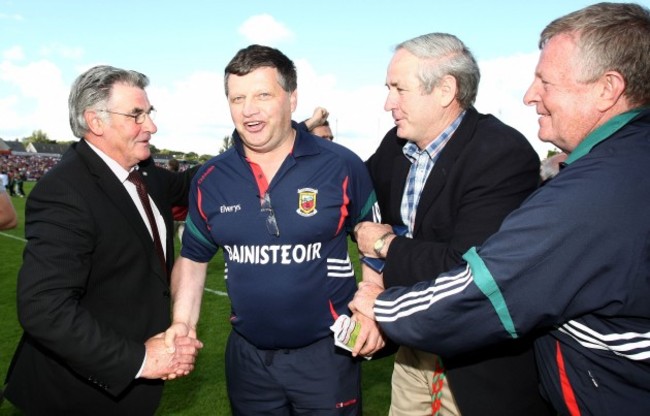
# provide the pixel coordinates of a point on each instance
(445, 163)
(117, 194)
(400, 170)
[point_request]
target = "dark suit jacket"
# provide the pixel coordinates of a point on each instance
(484, 172)
(91, 290)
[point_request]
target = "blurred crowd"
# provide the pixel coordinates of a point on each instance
(17, 169)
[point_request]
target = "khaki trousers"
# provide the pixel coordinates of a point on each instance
(419, 386)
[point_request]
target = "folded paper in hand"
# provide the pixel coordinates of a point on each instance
(345, 331)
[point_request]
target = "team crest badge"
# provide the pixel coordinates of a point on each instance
(307, 202)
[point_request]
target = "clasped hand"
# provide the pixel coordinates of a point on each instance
(364, 300)
(370, 339)
(172, 353)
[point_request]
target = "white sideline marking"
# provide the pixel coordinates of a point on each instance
(14, 237)
(215, 292)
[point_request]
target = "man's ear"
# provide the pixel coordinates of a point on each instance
(448, 88)
(612, 87)
(294, 100)
(95, 122)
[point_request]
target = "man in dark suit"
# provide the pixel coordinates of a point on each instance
(449, 175)
(93, 290)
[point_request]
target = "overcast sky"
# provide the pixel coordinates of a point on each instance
(341, 49)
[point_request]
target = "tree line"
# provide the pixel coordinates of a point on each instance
(39, 136)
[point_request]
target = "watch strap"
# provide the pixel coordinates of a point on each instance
(380, 243)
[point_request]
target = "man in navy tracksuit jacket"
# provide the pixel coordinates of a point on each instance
(573, 262)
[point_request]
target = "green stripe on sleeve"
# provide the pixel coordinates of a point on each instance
(486, 284)
(367, 207)
(189, 226)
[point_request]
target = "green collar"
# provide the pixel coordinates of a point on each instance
(602, 133)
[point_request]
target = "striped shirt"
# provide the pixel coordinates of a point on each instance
(422, 162)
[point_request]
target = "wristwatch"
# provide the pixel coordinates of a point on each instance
(380, 243)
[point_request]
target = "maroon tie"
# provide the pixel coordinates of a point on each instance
(136, 178)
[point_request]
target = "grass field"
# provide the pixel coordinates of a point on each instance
(204, 391)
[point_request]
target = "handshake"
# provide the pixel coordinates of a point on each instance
(172, 353)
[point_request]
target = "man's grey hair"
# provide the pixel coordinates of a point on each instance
(444, 54)
(92, 89)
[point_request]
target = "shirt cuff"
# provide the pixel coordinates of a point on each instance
(142, 366)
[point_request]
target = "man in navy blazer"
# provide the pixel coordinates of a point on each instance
(93, 293)
(449, 175)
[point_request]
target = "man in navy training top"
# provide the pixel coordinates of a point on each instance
(281, 204)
